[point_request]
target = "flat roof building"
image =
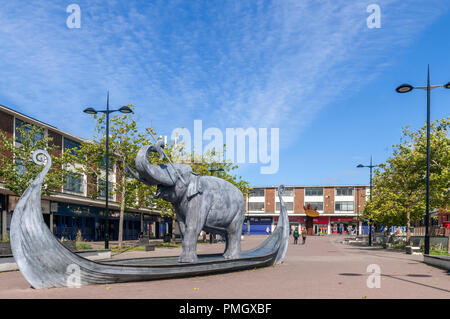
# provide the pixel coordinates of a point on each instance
(339, 206)
(71, 208)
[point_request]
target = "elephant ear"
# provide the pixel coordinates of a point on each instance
(194, 186)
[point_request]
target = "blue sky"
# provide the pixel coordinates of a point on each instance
(313, 69)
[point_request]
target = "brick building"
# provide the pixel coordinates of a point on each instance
(339, 207)
(71, 208)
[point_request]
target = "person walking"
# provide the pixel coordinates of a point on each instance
(304, 236)
(296, 235)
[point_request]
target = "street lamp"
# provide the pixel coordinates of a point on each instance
(405, 88)
(370, 221)
(211, 170)
(90, 110)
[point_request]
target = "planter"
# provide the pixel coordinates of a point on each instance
(5, 248)
(70, 244)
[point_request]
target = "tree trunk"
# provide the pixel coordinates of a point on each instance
(408, 226)
(122, 209)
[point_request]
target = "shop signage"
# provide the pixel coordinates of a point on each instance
(343, 219)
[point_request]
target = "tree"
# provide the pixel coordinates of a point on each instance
(124, 143)
(17, 169)
(398, 193)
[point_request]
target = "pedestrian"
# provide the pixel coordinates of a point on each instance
(304, 236)
(296, 235)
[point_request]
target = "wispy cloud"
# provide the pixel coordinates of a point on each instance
(265, 64)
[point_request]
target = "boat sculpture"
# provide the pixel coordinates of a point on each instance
(46, 263)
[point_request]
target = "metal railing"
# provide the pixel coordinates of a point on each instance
(433, 231)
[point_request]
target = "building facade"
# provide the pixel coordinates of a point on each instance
(339, 208)
(71, 209)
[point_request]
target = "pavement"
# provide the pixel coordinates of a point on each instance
(322, 268)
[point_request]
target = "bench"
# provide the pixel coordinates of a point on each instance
(412, 250)
(150, 247)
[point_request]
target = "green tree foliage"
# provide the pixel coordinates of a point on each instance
(398, 195)
(17, 169)
(124, 143)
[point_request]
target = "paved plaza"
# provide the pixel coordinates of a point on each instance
(322, 268)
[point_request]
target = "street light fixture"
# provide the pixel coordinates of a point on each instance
(370, 221)
(90, 110)
(211, 170)
(403, 89)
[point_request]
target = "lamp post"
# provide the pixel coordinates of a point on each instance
(405, 88)
(370, 221)
(90, 110)
(211, 170)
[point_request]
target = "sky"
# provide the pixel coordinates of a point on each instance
(312, 69)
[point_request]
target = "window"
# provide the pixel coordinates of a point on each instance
(319, 205)
(257, 192)
(73, 183)
(102, 188)
(27, 128)
(19, 166)
(344, 206)
(288, 191)
(288, 205)
(256, 207)
(316, 191)
(70, 145)
(344, 191)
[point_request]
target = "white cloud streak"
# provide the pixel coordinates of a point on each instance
(268, 64)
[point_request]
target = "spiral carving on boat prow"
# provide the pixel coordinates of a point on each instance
(40, 157)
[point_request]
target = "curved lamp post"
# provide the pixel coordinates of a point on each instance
(90, 110)
(370, 221)
(405, 88)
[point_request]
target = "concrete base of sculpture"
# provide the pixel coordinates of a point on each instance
(46, 263)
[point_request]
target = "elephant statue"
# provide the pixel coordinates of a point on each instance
(201, 202)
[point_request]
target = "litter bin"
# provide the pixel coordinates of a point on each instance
(167, 238)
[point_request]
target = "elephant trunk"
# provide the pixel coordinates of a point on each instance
(153, 174)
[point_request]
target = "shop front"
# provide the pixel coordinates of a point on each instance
(314, 225)
(320, 225)
(257, 225)
(344, 225)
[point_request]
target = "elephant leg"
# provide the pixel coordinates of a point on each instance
(182, 227)
(194, 224)
(233, 246)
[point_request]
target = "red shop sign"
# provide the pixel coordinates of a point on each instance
(342, 219)
(320, 220)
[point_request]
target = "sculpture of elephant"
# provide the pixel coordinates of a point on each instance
(201, 202)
